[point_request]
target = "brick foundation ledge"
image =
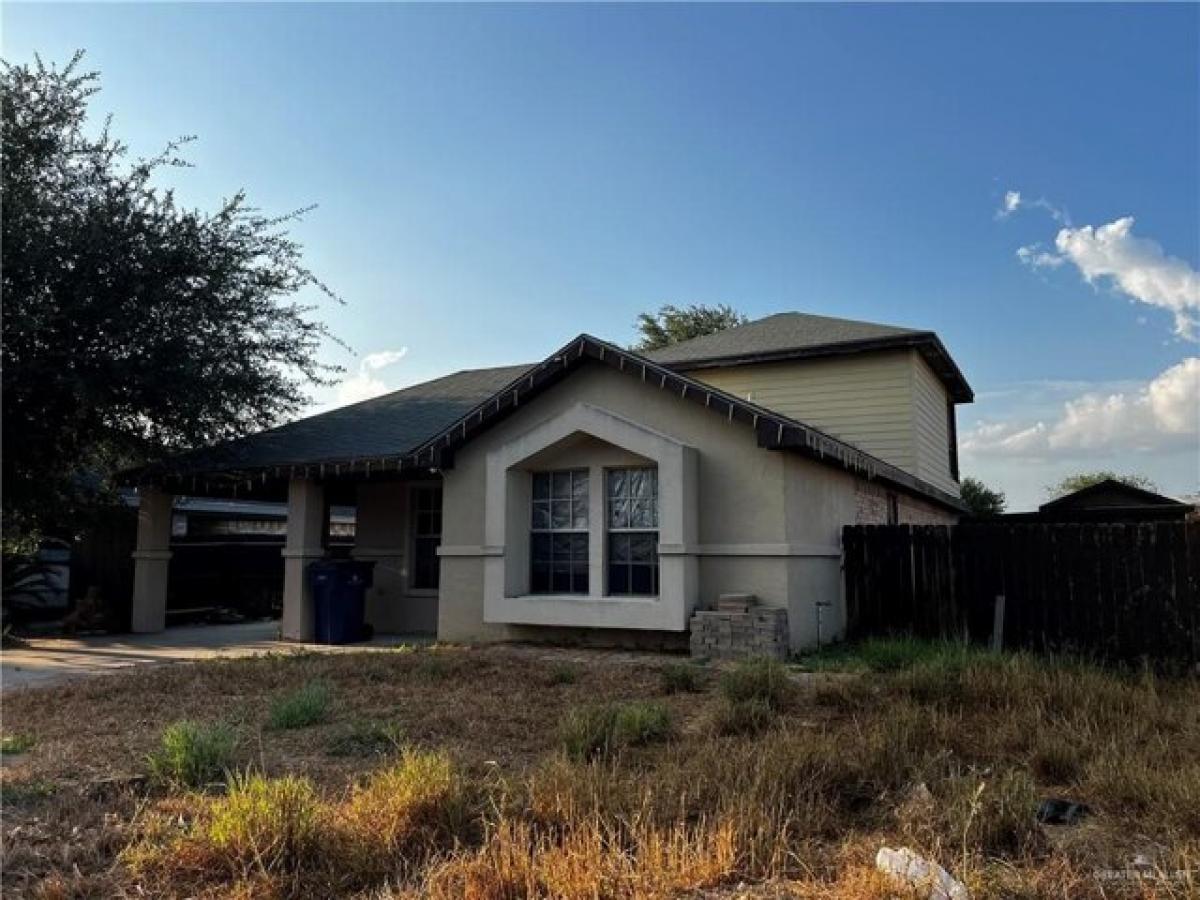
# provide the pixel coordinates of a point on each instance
(721, 634)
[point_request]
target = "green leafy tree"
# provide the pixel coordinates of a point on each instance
(672, 324)
(983, 502)
(133, 327)
(1073, 483)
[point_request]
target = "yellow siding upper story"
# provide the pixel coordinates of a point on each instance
(888, 403)
(931, 426)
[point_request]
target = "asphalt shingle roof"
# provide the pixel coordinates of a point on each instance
(792, 335)
(779, 333)
(383, 426)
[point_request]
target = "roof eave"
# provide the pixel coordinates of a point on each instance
(773, 430)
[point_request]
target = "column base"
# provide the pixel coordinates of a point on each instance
(148, 612)
(298, 622)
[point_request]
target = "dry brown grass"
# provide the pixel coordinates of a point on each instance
(949, 757)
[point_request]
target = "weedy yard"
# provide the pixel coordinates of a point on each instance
(508, 772)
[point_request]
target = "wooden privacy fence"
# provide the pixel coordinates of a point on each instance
(1118, 591)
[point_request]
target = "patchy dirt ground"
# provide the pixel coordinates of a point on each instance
(950, 759)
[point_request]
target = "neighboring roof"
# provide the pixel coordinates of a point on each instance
(375, 438)
(383, 426)
(794, 335)
(1113, 495)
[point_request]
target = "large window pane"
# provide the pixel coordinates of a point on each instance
(632, 518)
(558, 557)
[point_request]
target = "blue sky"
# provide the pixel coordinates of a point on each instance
(493, 180)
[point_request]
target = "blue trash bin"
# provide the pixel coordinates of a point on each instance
(339, 588)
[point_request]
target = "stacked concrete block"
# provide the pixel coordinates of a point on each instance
(739, 628)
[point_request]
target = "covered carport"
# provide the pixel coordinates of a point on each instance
(371, 455)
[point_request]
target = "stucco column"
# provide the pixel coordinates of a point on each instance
(150, 561)
(307, 527)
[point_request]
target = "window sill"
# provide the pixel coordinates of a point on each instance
(588, 598)
(652, 613)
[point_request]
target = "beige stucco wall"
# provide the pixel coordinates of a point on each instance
(382, 536)
(888, 403)
(767, 522)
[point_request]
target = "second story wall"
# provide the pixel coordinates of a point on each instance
(889, 403)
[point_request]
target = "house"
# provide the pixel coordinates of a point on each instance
(1108, 501)
(600, 492)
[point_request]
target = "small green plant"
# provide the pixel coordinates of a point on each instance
(18, 742)
(587, 731)
(640, 722)
(307, 706)
(193, 754)
(266, 823)
(750, 716)
(591, 731)
(891, 654)
(563, 673)
(757, 679)
(366, 738)
(681, 678)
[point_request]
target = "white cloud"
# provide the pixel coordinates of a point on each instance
(1036, 258)
(364, 385)
(1137, 267)
(1161, 415)
(1013, 201)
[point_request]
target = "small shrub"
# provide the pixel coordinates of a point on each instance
(590, 731)
(681, 678)
(639, 723)
(269, 824)
(563, 673)
(17, 743)
(307, 706)
(369, 738)
(757, 679)
(742, 716)
(193, 754)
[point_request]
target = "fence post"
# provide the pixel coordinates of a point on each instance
(998, 624)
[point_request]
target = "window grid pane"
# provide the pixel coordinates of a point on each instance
(632, 498)
(427, 536)
(558, 551)
(632, 518)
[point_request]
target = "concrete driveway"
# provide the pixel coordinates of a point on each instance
(49, 660)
